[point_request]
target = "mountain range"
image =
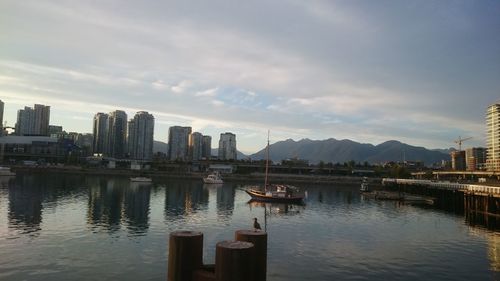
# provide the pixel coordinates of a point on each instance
(340, 151)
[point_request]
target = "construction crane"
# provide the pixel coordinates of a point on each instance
(460, 141)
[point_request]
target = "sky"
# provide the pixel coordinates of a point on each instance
(421, 72)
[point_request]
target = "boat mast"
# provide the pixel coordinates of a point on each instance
(267, 162)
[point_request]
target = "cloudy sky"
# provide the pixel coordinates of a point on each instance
(422, 72)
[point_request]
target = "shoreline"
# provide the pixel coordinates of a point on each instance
(284, 178)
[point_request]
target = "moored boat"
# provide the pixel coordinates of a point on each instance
(213, 178)
(364, 185)
(275, 192)
(5, 171)
(141, 179)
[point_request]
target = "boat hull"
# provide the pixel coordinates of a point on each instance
(260, 196)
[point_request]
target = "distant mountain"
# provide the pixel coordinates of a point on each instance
(239, 155)
(159, 146)
(340, 151)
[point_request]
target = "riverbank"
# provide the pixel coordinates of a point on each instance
(253, 177)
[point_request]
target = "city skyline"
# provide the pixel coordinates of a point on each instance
(421, 73)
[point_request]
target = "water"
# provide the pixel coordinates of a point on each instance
(72, 227)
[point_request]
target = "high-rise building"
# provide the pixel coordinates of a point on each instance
(100, 142)
(117, 134)
(33, 121)
(140, 136)
(195, 146)
(42, 119)
(206, 151)
(1, 117)
(227, 146)
(25, 122)
(458, 160)
(475, 158)
(178, 143)
(493, 137)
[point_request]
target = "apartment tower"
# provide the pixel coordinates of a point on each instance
(227, 146)
(493, 137)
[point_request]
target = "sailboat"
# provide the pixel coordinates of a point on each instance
(275, 192)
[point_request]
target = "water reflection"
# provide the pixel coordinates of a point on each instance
(136, 203)
(184, 198)
(25, 205)
(111, 201)
(225, 200)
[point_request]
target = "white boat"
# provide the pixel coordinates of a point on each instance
(5, 171)
(141, 179)
(364, 185)
(213, 178)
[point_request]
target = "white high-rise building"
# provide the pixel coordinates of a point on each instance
(196, 146)
(117, 134)
(227, 146)
(140, 136)
(1, 117)
(33, 121)
(493, 137)
(100, 142)
(178, 143)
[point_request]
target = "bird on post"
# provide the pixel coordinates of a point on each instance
(256, 225)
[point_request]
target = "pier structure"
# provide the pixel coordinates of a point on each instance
(241, 259)
(479, 203)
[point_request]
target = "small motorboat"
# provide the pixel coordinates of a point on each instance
(5, 171)
(364, 185)
(141, 179)
(213, 178)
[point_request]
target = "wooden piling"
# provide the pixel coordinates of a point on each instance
(185, 255)
(233, 261)
(259, 240)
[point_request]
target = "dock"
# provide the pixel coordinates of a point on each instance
(475, 201)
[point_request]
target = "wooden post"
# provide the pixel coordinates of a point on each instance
(233, 261)
(259, 240)
(185, 255)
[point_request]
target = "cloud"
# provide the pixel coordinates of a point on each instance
(314, 69)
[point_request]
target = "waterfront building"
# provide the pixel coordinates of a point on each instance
(227, 146)
(493, 137)
(140, 136)
(458, 160)
(196, 146)
(99, 144)
(33, 148)
(33, 121)
(206, 151)
(475, 158)
(178, 143)
(117, 134)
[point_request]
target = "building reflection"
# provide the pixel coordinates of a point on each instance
(136, 207)
(25, 205)
(225, 200)
(105, 204)
(184, 198)
(494, 251)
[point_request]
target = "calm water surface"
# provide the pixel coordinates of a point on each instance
(60, 227)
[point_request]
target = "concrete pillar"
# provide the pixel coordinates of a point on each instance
(233, 261)
(259, 240)
(185, 255)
